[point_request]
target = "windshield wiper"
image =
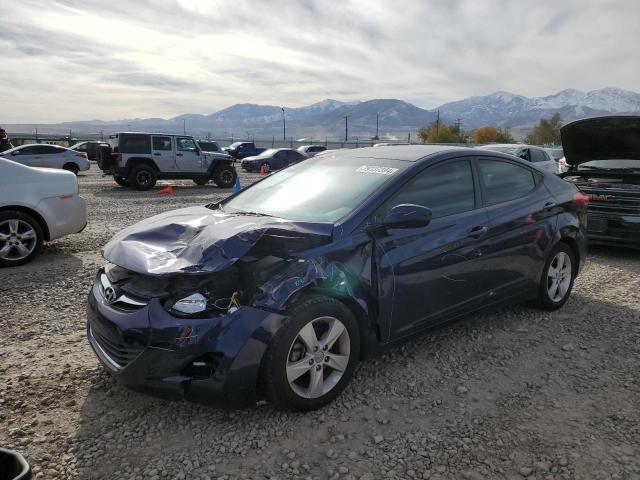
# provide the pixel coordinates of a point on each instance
(257, 214)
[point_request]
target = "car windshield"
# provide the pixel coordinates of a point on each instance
(268, 153)
(612, 164)
(235, 145)
(76, 145)
(208, 146)
(316, 190)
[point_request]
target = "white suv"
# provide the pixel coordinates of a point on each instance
(139, 159)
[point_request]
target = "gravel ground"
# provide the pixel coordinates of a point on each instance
(515, 393)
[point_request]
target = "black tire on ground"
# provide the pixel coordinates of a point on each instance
(23, 218)
(142, 177)
(201, 180)
(545, 300)
(71, 167)
(122, 181)
(224, 176)
(274, 369)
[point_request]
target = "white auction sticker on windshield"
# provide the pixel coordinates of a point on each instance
(378, 170)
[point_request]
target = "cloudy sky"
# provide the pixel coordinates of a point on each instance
(85, 59)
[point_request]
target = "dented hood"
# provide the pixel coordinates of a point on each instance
(201, 240)
(602, 138)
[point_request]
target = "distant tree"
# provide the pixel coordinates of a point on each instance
(439, 133)
(547, 132)
(489, 134)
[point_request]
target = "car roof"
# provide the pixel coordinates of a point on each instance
(407, 153)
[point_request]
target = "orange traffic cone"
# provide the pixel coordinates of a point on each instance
(165, 191)
(262, 170)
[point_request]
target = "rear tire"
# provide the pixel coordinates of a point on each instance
(142, 177)
(224, 176)
(122, 181)
(557, 278)
(201, 180)
(21, 238)
(312, 357)
(71, 167)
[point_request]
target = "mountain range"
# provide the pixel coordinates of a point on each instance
(396, 118)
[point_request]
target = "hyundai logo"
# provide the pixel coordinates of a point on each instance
(110, 295)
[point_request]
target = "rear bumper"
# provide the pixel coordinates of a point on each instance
(64, 215)
(614, 230)
(210, 360)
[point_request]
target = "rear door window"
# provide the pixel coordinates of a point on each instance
(503, 181)
(49, 150)
(162, 143)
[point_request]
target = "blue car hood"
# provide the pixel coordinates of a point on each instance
(201, 240)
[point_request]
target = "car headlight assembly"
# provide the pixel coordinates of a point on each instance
(194, 303)
(198, 304)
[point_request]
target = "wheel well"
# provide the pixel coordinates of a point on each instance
(369, 333)
(34, 214)
(574, 246)
(220, 163)
(132, 162)
(71, 163)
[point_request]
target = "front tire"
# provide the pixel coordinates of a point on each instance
(21, 238)
(224, 176)
(313, 356)
(557, 278)
(142, 177)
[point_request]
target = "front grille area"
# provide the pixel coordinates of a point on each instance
(119, 353)
(606, 202)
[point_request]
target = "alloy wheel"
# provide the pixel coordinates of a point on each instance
(227, 177)
(18, 239)
(559, 276)
(318, 357)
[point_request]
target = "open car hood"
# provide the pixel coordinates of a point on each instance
(201, 240)
(602, 138)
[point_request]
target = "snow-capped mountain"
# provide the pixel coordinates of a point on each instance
(507, 109)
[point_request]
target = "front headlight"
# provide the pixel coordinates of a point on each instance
(194, 303)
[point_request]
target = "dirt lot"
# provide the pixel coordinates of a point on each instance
(509, 394)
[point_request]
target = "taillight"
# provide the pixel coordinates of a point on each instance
(118, 157)
(81, 154)
(580, 198)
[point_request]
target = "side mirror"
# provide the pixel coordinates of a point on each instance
(406, 215)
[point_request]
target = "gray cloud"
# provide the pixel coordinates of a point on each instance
(74, 59)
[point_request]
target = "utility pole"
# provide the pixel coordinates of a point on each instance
(377, 125)
(438, 126)
(184, 126)
(346, 128)
(37, 135)
(458, 124)
(102, 135)
(284, 126)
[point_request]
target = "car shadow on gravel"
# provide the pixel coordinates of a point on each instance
(543, 358)
(51, 257)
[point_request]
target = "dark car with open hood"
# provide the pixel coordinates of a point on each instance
(280, 290)
(603, 155)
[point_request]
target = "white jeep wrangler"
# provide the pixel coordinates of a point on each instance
(138, 160)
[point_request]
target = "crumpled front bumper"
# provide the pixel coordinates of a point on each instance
(210, 360)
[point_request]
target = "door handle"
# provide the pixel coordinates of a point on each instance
(549, 205)
(157, 154)
(477, 232)
(178, 154)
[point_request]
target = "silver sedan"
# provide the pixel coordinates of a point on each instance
(48, 156)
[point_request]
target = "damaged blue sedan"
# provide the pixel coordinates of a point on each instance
(278, 291)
